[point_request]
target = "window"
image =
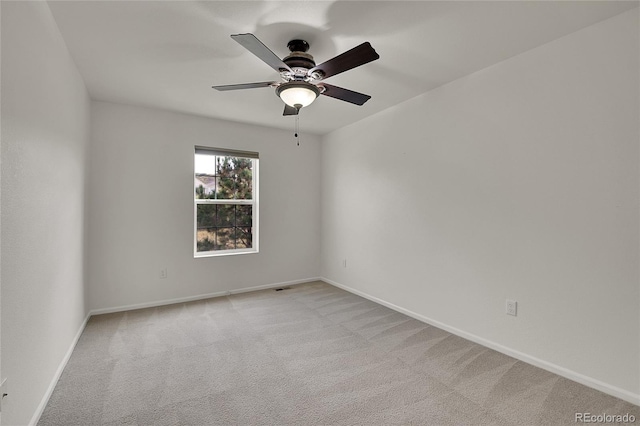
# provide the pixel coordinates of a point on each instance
(225, 202)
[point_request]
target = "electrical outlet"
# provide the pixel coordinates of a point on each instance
(512, 307)
(163, 273)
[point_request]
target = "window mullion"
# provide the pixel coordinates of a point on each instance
(221, 201)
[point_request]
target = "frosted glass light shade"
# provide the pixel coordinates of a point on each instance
(297, 93)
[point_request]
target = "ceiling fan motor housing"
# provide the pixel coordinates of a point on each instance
(298, 58)
(298, 45)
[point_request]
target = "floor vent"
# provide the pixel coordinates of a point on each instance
(283, 288)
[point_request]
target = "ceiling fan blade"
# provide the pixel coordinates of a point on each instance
(350, 59)
(345, 94)
(245, 86)
(255, 46)
(289, 110)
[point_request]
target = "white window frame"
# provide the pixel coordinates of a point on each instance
(252, 202)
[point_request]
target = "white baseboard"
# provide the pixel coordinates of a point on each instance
(545, 365)
(268, 286)
(197, 297)
(45, 399)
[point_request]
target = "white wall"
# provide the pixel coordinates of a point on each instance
(45, 119)
(141, 207)
(520, 181)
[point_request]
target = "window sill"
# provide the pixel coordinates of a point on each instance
(223, 253)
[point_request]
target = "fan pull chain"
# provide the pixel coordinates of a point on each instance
(297, 133)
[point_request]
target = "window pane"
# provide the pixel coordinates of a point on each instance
(211, 239)
(205, 180)
(244, 237)
(204, 186)
(243, 216)
(205, 164)
(206, 215)
(225, 170)
(226, 239)
(223, 177)
(234, 178)
(206, 239)
(244, 179)
(226, 215)
(223, 227)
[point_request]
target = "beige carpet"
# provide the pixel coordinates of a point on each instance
(310, 355)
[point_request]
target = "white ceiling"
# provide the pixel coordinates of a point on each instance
(168, 54)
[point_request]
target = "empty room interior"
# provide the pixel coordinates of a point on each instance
(319, 212)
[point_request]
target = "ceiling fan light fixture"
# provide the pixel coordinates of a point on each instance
(298, 94)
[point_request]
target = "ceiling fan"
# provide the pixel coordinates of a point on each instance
(302, 80)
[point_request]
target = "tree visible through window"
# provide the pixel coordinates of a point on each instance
(225, 194)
